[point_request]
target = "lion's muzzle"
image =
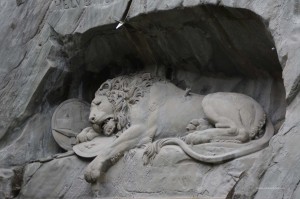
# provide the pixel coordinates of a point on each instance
(98, 120)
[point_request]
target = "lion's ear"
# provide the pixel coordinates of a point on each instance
(105, 86)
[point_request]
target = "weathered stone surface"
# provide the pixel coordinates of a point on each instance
(45, 46)
(28, 146)
(10, 181)
(172, 173)
(59, 178)
(6, 176)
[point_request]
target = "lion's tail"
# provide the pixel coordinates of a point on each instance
(244, 149)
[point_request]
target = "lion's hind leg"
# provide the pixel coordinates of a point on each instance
(215, 135)
(225, 130)
(221, 111)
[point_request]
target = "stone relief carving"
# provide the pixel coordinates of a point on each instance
(69, 118)
(141, 110)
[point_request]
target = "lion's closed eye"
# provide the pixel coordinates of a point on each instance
(97, 102)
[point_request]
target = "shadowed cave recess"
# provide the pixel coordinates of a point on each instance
(205, 48)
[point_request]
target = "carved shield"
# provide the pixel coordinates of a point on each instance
(68, 120)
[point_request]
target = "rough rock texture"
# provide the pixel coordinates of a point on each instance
(46, 181)
(11, 181)
(51, 51)
(166, 176)
(172, 174)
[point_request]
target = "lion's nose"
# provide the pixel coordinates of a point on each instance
(92, 119)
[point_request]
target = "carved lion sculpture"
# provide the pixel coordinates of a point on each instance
(148, 110)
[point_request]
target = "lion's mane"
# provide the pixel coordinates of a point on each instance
(125, 91)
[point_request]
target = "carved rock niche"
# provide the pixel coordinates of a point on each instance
(206, 49)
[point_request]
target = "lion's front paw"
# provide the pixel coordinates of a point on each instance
(86, 134)
(92, 173)
(198, 125)
(196, 138)
(189, 139)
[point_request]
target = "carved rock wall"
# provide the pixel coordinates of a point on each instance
(55, 50)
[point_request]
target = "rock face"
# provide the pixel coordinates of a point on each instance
(52, 51)
(61, 178)
(167, 176)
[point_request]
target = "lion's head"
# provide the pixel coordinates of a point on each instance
(114, 98)
(101, 113)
